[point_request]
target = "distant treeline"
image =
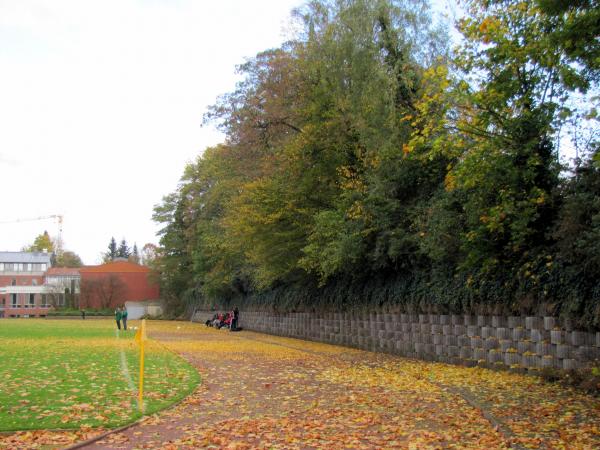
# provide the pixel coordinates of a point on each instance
(365, 163)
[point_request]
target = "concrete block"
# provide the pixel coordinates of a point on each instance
(515, 321)
(505, 344)
(480, 354)
(564, 351)
(452, 351)
(465, 353)
(510, 359)
(549, 323)
(464, 341)
(570, 364)
(438, 339)
(473, 330)
(525, 346)
(545, 349)
(503, 333)
(491, 343)
(531, 361)
(476, 342)
(434, 319)
(532, 323)
(579, 338)
(495, 356)
(450, 340)
(415, 337)
(425, 328)
(470, 320)
(436, 329)
(539, 335)
(447, 329)
(483, 321)
(457, 320)
(499, 321)
(587, 353)
(423, 318)
(459, 330)
(445, 319)
(547, 361)
(557, 337)
(487, 332)
(518, 334)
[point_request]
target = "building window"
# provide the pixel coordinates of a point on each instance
(43, 267)
(44, 300)
(13, 298)
(34, 282)
(13, 282)
(1, 267)
(31, 300)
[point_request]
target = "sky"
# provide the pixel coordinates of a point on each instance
(101, 106)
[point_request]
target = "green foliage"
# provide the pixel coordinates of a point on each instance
(112, 252)
(365, 165)
(68, 259)
(42, 242)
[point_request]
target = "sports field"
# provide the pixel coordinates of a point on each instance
(62, 374)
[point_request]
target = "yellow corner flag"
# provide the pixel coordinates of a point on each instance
(140, 338)
(140, 334)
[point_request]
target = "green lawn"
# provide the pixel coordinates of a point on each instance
(72, 373)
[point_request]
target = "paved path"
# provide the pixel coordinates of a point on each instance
(260, 391)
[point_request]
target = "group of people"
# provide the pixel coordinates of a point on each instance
(121, 316)
(227, 320)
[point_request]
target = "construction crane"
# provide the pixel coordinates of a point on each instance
(59, 219)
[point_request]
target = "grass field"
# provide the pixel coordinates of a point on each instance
(58, 374)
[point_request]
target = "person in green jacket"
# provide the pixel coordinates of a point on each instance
(118, 317)
(124, 317)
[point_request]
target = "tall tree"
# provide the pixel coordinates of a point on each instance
(42, 242)
(112, 252)
(135, 255)
(68, 259)
(123, 250)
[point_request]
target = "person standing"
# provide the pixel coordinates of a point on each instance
(124, 317)
(118, 316)
(234, 322)
(83, 314)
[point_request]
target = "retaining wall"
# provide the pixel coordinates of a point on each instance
(527, 342)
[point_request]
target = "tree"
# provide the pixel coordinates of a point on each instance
(135, 255)
(112, 252)
(123, 251)
(68, 259)
(106, 291)
(42, 242)
(149, 254)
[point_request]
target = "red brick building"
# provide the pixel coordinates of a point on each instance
(112, 284)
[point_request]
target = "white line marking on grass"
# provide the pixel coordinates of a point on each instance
(125, 369)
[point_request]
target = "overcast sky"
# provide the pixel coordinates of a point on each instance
(101, 104)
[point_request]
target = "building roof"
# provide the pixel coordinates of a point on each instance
(116, 267)
(24, 257)
(62, 271)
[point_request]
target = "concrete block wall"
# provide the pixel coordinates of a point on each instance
(499, 341)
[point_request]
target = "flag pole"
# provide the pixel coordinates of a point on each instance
(141, 387)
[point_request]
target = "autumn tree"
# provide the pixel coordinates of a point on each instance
(68, 258)
(42, 242)
(107, 291)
